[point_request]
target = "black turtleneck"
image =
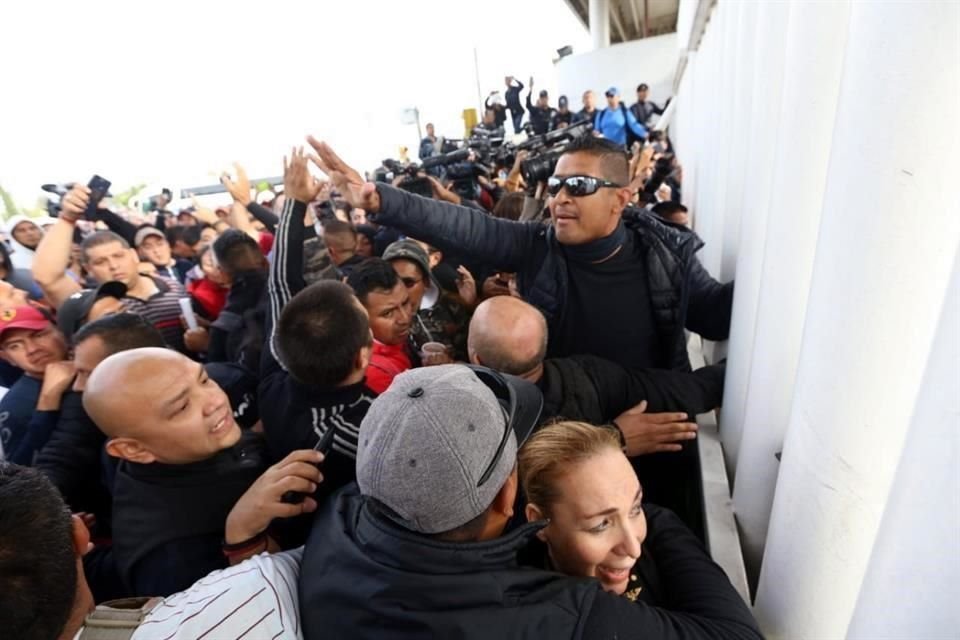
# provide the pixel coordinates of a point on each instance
(607, 311)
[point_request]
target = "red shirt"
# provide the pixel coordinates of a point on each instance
(210, 295)
(386, 363)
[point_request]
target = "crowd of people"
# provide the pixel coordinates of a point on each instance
(354, 411)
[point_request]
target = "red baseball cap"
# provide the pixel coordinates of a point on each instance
(25, 317)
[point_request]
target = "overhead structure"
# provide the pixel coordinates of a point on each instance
(615, 21)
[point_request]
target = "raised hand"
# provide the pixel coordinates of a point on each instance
(351, 185)
(297, 181)
(74, 202)
(654, 432)
(240, 188)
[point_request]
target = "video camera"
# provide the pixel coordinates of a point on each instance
(412, 181)
(544, 151)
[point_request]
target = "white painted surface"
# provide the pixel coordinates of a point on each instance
(879, 282)
(758, 407)
(910, 589)
(651, 60)
(599, 14)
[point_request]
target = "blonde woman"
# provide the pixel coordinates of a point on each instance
(577, 479)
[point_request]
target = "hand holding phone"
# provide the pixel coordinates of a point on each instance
(99, 187)
(323, 446)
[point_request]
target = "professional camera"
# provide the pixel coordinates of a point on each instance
(546, 149)
(463, 167)
(412, 181)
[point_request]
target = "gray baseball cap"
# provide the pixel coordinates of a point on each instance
(439, 444)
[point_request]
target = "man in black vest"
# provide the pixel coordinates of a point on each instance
(419, 551)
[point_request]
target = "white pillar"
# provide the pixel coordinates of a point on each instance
(599, 17)
(917, 553)
(889, 233)
(709, 221)
(741, 121)
(765, 338)
(759, 149)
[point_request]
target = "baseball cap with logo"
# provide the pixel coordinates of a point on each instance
(439, 444)
(611, 92)
(25, 317)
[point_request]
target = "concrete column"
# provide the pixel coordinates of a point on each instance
(721, 50)
(599, 17)
(889, 234)
(757, 157)
(741, 121)
(917, 553)
(771, 293)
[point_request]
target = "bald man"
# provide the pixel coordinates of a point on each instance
(183, 465)
(649, 406)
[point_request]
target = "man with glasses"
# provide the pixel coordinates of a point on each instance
(619, 287)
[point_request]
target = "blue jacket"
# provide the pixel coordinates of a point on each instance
(613, 124)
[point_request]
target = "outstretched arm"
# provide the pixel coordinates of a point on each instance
(286, 272)
(447, 226)
(53, 253)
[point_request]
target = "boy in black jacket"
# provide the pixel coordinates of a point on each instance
(313, 365)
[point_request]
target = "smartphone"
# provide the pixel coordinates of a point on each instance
(324, 444)
(98, 189)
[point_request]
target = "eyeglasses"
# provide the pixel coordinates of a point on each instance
(410, 283)
(578, 186)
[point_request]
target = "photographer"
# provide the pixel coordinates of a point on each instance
(491, 126)
(496, 103)
(541, 114)
(512, 96)
(620, 290)
(563, 116)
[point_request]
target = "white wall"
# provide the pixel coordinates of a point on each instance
(651, 60)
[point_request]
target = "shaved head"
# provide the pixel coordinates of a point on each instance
(508, 335)
(157, 405)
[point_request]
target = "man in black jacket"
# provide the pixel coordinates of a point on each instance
(184, 462)
(541, 113)
(512, 97)
(312, 371)
(615, 284)
(419, 549)
(644, 109)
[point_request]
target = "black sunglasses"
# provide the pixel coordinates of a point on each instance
(578, 186)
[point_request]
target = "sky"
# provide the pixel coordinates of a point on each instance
(171, 93)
